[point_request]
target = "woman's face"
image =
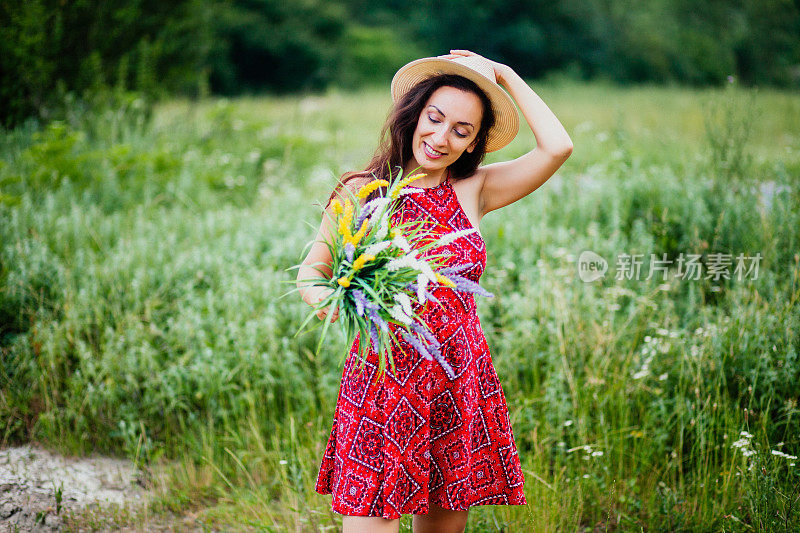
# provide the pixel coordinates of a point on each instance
(447, 126)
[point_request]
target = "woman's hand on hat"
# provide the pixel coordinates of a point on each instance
(499, 68)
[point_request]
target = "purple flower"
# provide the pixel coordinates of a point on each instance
(456, 269)
(444, 364)
(361, 217)
(436, 353)
(415, 342)
(432, 350)
(373, 333)
(433, 347)
(361, 301)
(349, 250)
(422, 330)
(373, 314)
(466, 285)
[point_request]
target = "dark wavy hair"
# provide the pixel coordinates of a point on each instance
(395, 147)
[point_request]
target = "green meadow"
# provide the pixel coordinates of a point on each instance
(143, 268)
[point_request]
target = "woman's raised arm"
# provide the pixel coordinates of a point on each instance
(506, 182)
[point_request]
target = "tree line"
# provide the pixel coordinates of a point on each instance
(49, 48)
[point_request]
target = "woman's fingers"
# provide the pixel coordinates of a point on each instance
(322, 313)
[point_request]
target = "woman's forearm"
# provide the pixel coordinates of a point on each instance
(550, 134)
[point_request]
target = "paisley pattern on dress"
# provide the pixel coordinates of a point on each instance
(418, 435)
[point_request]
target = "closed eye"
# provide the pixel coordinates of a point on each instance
(461, 135)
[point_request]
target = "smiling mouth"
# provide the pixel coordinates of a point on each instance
(430, 152)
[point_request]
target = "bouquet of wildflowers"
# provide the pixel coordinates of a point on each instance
(382, 270)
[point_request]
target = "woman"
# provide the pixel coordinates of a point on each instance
(424, 440)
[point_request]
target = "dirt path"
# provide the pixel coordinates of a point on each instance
(30, 479)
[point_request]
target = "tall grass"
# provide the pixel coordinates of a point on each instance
(140, 260)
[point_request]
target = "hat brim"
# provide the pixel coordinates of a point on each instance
(506, 123)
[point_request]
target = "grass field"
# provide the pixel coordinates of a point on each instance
(142, 257)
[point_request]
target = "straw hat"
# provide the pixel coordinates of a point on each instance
(477, 69)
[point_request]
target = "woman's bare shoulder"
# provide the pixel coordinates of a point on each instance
(356, 179)
(474, 181)
(353, 181)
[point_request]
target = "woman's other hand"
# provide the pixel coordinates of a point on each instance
(500, 69)
(314, 296)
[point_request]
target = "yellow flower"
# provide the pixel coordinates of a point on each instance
(361, 231)
(343, 281)
(447, 282)
(415, 177)
(405, 181)
(358, 264)
(336, 206)
(364, 191)
(344, 222)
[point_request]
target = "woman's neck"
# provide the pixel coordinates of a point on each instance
(431, 179)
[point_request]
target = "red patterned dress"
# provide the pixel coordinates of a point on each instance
(422, 434)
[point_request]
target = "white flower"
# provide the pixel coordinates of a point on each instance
(740, 443)
(397, 313)
(409, 190)
(378, 247)
(422, 284)
(405, 301)
(401, 243)
(383, 228)
(423, 267)
(408, 261)
(597, 453)
(784, 455)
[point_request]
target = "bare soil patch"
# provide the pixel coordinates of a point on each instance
(40, 489)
